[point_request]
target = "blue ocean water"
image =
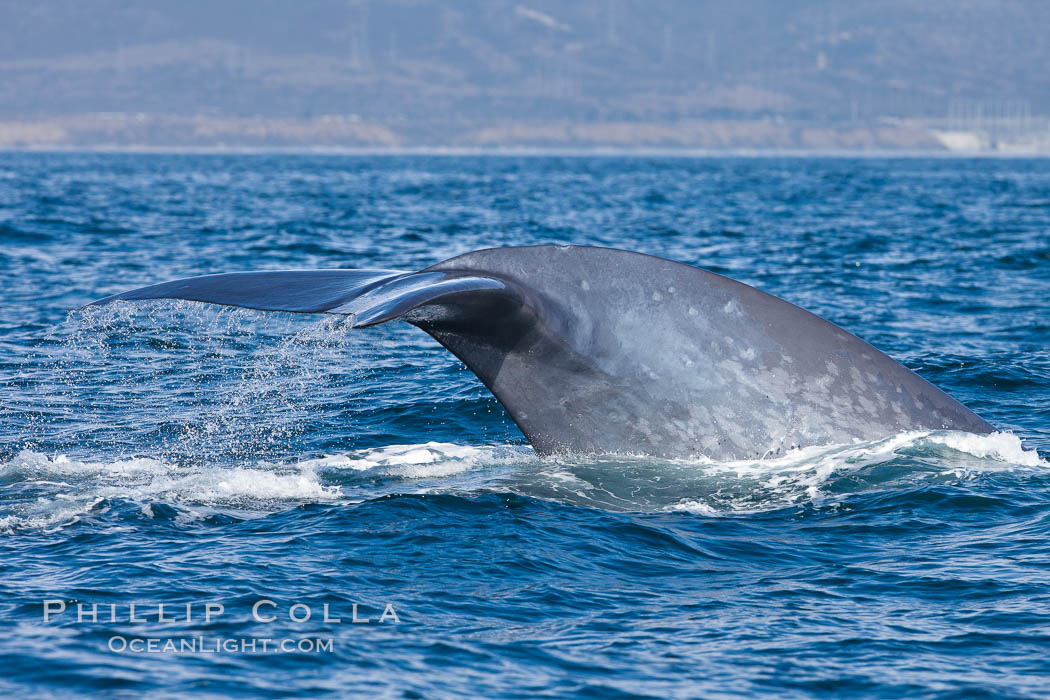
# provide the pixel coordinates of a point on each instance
(182, 455)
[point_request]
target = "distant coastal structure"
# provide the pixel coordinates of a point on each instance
(1004, 126)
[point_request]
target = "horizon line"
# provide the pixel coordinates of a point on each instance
(523, 151)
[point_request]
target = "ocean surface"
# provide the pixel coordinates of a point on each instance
(176, 454)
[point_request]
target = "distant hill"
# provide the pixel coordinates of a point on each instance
(759, 73)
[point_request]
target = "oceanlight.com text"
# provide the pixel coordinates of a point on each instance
(219, 645)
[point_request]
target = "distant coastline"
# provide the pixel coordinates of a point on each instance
(518, 152)
(339, 134)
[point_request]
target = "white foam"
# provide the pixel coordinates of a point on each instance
(45, 515)
(229, 486)
(696, 507)
(998, 447)
(51, 491)
(28, 464)
(803, 473)
(63, 489)
(431, 459)
(150, 477)
(57, 490)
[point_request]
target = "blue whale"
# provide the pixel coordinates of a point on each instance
(598, 350)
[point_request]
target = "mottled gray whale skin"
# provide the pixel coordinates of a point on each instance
(598, 350)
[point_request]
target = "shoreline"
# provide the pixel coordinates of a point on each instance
(523, 151)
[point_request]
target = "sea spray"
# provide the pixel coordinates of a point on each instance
(196, 383)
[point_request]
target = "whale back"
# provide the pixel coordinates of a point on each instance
(597, 350)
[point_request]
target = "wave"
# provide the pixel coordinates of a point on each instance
(43, 492)
(829, 473)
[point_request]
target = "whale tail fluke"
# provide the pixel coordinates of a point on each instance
(603, 350)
